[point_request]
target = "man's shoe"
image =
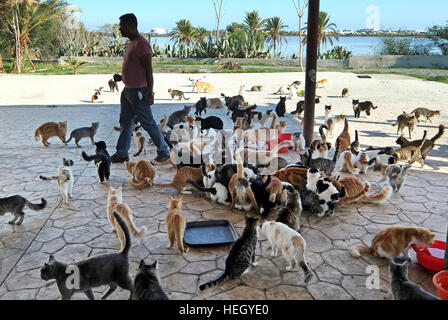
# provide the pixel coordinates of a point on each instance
(117, 159)
(161, 158)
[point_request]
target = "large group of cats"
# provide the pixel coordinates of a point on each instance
(233, 168)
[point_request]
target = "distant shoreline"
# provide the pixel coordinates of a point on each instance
(340, 36)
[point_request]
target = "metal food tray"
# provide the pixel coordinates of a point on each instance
(210, 233)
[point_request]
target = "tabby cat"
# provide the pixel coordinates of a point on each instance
(405, 120)
(411, 153)
(290, 213)
(178, 117)
(424, 112)
(345, 92)
(51, 129)
(113, 86)
(16, 204)
(428, 146)
(177, 93)
(366, 106)
(86, 132)
(241, 255)
(176, 224)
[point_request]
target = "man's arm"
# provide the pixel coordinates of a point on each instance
(146, 61)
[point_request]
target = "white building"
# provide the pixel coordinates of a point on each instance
(159, 31)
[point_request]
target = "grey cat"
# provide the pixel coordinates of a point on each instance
(290, 213)
(147, 283)
(86, 132)
(400, 285)
(178, 117)
(16, 204)
(311, 202)
(241, 255)
(322, 164)
(108, 269)
(395, 173)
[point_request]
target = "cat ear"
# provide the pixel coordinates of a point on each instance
(142, 264)
(156, 265)
(51, 258)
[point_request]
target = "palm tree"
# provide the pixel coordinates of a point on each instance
(23, 16)
(200, 34)
(273, 28)
(323, 28)
(253, 23)
(184, 33)
(75, 64)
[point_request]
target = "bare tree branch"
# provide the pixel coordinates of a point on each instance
(300, 10)
(217, 4)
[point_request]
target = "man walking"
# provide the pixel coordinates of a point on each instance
(137, 96)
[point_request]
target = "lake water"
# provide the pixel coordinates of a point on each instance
(358, 45)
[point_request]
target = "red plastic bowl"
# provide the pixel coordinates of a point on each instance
(428, 261)
(281, 137)
(440, 280)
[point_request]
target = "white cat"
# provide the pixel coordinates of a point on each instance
(222, 194)
(292, 244)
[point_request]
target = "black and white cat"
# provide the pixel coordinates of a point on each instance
(16, 204)
(147, 283)
(210, 123)
(102, 160)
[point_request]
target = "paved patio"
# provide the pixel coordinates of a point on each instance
(82, 230)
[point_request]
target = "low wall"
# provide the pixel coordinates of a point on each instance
(359, 62)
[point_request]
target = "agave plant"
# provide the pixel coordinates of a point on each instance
(337, 52)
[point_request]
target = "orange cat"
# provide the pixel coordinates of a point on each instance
(51, 129)
(322, 83)
(176, 224)
(180, 179)
(115, 203)
(395, 240)
(295, 176)
(344, 138)
(275, 189)
(204, 86)
(143, 173)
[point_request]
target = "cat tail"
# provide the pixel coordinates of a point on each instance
(141, 185)
(288, 144)
(200, 188)
(346, 128)
(169, 185)
(125, 229)
(322, 133)
(67, 141)
(221, 279)
(348, 161)
(356, 251)
(36, 207)
(414, 111)
(48, 178)
(139, 151)
(382, 196)
(395, 124)
(355, 198)
(163, 123)
(424, 139)
(138, 233)
(338, 150)
(87, 157)
(240, 164)
(440, 134)
(178, 233)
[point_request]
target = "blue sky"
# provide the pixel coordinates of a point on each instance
(347, 14)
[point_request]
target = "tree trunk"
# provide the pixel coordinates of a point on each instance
(275, 48)
(300, 45)
(1, 64)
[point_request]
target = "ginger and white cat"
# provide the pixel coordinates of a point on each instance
(176, 224)
(64, 178)
(143, 173)
(354, 164)
(140, 141)
(202, 85)
(51, 129)
(394, 241)
(115, 204)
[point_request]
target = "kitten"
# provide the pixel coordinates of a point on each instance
(140, 141)
(327, 112)
(400, 285)
(116, 205)
(180, 179)
(202, 85)
(292, 244)
(113, 86)
(108, 269)
(281, 107)
(177, 93)
(424, 112)
(176, 224)
(210, 123)
(178, 117)
(102, 161)
(333, 122)
(147, 283)
(290, 213)
(396, 174)
(345, 92)
(406, 120)
(81, 133)
(95, 97)
(298, 140)
(215, 103)
(394, 241)
(16, 204)
(201, 106)
(344, 138)
(366, 106)
(411, 153)
(64, 178)
(242, 90)
(256, 88)
(51, 129)
(428, 146)
(241, 255)
(143, 173)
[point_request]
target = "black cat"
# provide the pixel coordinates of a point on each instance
(210, 123)
(281, 107)
(201, 106)
(102, 160)
(262, 195)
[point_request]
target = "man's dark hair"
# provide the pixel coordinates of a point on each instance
(130, 19)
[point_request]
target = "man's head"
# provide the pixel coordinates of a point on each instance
(128, 25)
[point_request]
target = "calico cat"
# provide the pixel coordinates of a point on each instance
(424, 112)
(107, 269)
(396, 174)
(290, 213)
(210, 123)
(177, 93)
(241, 255)
(355, 147)
(201, 106)
(140, 141)
(113, 86)
(180, 179)
(16, 204)
(290, 242)
(102, 160)
(355, 164)
(411, 153)
(261, 118)
(344, 138)
(176, 224)
(327, 112)
(86, 132)
(215, 103)
(400, 285)
(95, 97)
(116, 205)
(256, 88)
(406, 120)
(64, 178)
(281, 107)
(202, 85)
(366, 106)
(143, 173)
(299, 110)
(345, 92)
(394, 241)
(178, 117)
(333, 122)
(320, 147)
(428, 146)
(51, 129)
(147, 283)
